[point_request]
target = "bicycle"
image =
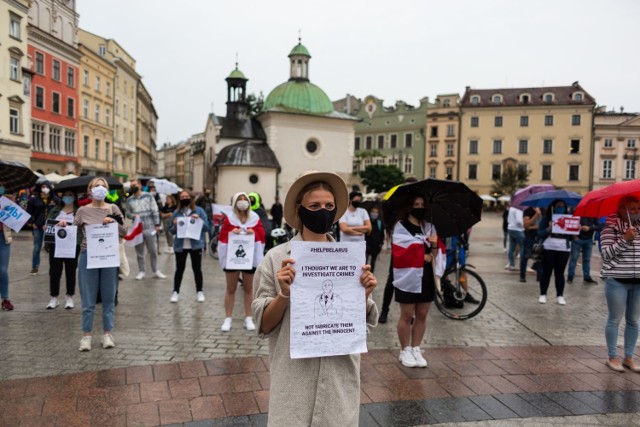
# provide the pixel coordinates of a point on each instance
(462, 293)
(212, 248)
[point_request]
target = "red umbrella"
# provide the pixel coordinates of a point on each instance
(604, 201)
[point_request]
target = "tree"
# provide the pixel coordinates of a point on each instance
(381, 178)
(510, 180)
(255, 103)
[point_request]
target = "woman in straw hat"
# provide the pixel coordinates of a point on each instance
(321, 391)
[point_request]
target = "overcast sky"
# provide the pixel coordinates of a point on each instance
(391, 49)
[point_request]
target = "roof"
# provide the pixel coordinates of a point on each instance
(237, 74)
(241, 129)
(247, 153)
(562, 95)
(299, 49)
(299, 95)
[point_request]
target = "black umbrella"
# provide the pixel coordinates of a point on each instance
(15, 176)
(451, 206)
(80, 184)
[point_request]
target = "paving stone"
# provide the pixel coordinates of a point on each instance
(493, 407)
(400, 414)
(547, 406)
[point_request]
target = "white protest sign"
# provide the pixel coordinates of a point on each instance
(103, 248)
(240, 251)
(328, 306)
(189, 228)
(12, 215)
(66, 241)
(565, 224)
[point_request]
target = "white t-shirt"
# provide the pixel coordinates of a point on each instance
(353, 219)
(515, 220)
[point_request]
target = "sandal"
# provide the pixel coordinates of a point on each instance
(632, 367)
(617, 368)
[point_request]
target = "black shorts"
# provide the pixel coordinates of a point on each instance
(428, 293)
(252, 271)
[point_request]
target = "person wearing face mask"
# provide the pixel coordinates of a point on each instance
(183, 246)
(318, 391)
(5, 255)
(39, 207)
(355, 223)
(66, 211)
(205, 201)
(620, 241)
(374, 239)
(256, 205)
(555, 254)
(241, 221)
(97, 280)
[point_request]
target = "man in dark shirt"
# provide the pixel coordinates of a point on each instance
(583, 242)
(276, 213)
(530, 219)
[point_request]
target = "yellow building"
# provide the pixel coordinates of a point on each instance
(617, 139)
(546, 131)
(96, 113)
(443, 132)
(146, 163)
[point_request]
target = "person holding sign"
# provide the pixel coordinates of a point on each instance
(414, 250)
(555, 254)
(242, 221)
(38, 207)
(66, 211)
(316, 391)
(188, 211)
(93, 280)
(5, 255)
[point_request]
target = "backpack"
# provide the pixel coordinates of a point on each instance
(448, 290)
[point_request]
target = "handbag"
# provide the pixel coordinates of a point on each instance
(537, 249)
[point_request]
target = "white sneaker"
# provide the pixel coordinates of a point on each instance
(200, 296)
(170, 250)
(531, 270)
(174, 297)
(226, 325)
(561, 301)
(159, 275)
(107, 341)
(407, 358)
(248, 324)
(542, 299)
(53, 303)
(85, 343)
(140, 276)
(421, 362)
(69, 303)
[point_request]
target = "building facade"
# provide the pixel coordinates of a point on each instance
(443, 138)
(146, 124)
(617, 139)
(197, 144)
(15, 83)
(546, 131)
(53, 49)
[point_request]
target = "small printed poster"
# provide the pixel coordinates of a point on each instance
(189, 228)
(103, 248)
(565, 224)
(49, 229)
(240, 251)
(66, 241)
(12, 215)
(328, 306)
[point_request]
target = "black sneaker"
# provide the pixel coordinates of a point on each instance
(470, 299)
(383, 317)
(590, 280)
(523, 280)
(570, 280)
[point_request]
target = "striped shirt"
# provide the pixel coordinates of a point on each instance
(92, 215)
(620, 259)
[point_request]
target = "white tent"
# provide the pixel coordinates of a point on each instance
(487, 198)
(53, 177)
(504, 199)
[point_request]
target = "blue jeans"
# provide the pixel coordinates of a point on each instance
(5, 254)
(586, 246)
(622, 299)
(515, 238)
(38, 237)
(90, 282)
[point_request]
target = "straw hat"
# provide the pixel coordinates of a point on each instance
(340, 193)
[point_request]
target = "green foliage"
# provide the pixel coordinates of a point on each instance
(381, 178)
(255, 103)
(510, 180)
(365, 154)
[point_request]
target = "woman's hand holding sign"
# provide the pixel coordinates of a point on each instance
(285, 277)
(368, 280)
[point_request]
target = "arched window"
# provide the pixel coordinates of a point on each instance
(475, 100)
(496, 99)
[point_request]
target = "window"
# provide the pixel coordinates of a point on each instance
(14, 120)
(408, 164)
(496, 171)
(446, 103)
(408, 140)
(98, 83)
(522, 169)
(575, 120)
(356, 143)
(70, 142)
(524, 121)
(71, 107)
(107, 116)
(55, 102)
(574, 172)
(14, 69)
(380, 161)
(85, 146)
(524, 99)
(54, 139)
(523, 146)
(432, 171)
(608, 143)
(546, 172)
(393, 162)
(97, 149)
(448, 171)
(497, 121)
(473, 172)
(475, 100)
(124, 113)
(393, 141)
(575, 146)
(548, 98)
(607, 169)
(449, 149)
(39, 97)
(475, 122)
(37, 136)
(434, 132)
(55, 70)
(380, 142)
(71, 77)
(547, 146)
(367, 162)
(85, 108)
(102, 50)
(368, 140)
(433, 150)
(577, 97)
(450, 130)
(116, 134)
(107, 89)
(14, 26)
(85, 78)
(39, 63)
(27, 85)
(630, 169)
(97, 113)
(312, 146)
(497, 146)
(631, 143)
(497, 100)
(473, 146)
(106, 151)
(548, 120)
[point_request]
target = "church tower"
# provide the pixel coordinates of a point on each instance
(299, 58)
(237, 106)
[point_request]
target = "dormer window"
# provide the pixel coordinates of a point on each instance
(525, 98)
(446, 103)
(475, 100)
(496, 99)
(578, 97)
(548, 98)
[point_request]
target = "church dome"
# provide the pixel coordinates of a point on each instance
(301, 96)
(237, 74)
(299, 49)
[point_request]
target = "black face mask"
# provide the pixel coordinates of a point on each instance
(134, 189)
(418, 213)
(185, 202)
(355, 203)
(319, 221)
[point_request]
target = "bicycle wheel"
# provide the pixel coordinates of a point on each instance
(454, 302)
(213, 247)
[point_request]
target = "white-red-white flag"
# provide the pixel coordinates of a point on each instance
(134, 237)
